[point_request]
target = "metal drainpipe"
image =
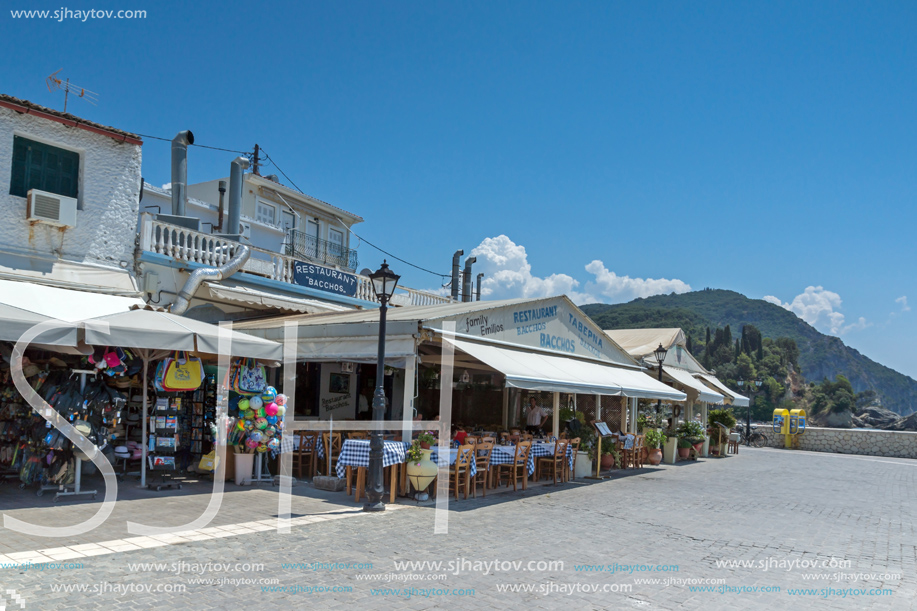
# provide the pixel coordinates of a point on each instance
(478, 296)
(240, 255)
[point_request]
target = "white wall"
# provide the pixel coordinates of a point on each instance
(108, 194)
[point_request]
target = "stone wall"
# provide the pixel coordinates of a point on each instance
(901, 444)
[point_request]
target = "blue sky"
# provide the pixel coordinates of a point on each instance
(760, 147)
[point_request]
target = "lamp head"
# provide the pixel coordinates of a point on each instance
(384, 282)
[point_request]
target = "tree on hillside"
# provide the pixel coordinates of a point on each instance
(835, 397)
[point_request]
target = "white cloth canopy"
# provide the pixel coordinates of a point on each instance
(542, 372)
(704, 393)
(737, 399)
(164, 331)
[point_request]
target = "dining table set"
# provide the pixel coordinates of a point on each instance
(351, 457)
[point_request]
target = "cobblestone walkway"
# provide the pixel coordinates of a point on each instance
(753, 531)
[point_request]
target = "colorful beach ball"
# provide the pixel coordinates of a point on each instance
(269, 394)
(251, 444)
(244, 405)
(256, 402)
(280, 400)
(261, 423)
(271, 419)
(270, 409)
(262, 448)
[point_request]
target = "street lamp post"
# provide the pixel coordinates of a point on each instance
(659, 353)
(753, 387)
(384, 282)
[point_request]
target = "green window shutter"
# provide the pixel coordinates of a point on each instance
(40, 166)
(20, 154)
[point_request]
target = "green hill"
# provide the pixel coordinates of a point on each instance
(820, 356)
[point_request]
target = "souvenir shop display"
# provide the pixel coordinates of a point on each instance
(256, 420)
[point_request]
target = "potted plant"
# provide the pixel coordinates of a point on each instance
(610, 455)
(684, 447)
(426, 440)
(692, 431)
(653, 440)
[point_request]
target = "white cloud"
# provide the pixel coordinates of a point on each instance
(903, 301)
(819, 307)
(616, 289)
(508, 274)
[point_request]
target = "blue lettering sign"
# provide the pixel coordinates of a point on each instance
(324, 279)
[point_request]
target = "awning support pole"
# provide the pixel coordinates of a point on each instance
(407, 408)
(556, 432)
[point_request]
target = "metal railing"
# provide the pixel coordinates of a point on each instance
(183, 244)
(301, 244)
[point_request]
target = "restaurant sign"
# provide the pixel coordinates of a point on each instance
(551, 324)
(324, 279)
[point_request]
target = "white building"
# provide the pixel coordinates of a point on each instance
(79, 228)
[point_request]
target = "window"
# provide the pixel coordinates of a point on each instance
(265, 213)
(336, 239)
(37, 165)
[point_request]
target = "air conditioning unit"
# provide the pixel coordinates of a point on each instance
(347, 367)
(51, 208)
(246, 230)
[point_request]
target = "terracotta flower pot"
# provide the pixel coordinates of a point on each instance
(654, 456)
(608, 461)
(699, 447)
(424, 445)
(684, 452)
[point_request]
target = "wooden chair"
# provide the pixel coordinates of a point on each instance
(461, 470)
(357, 435)
(528, 437)
(471, 441)
(307, 454)
(332, 444)
(637, 452)
(518, 468)
(490, 440)
(482, 453)
(571, 471)
(555, 463)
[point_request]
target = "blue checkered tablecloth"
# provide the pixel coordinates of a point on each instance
(355, 453)
(504, 455)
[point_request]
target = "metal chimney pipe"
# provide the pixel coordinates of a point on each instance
(222, 189)
(180, 171)
(466, 292)
(455, 274)
(239, 164)
(480, 276)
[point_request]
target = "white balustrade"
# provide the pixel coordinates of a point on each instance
(184, 244)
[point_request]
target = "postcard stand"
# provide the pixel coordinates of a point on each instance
(163, 444)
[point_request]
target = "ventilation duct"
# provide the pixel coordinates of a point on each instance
(466, 288)
(180, 171)
(455, 274)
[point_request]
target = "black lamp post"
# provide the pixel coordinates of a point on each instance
(659, 353)
(384, 282)
(753, 387)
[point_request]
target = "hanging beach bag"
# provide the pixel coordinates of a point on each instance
(183, 373)
(252, 378)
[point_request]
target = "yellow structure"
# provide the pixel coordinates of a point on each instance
(789, 424)
(781, 422)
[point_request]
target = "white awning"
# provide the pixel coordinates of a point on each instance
(737, 399)
(63, 304)
(704, 394)
(542, 372)
(247, 295)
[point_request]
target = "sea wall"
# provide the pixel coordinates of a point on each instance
(870, 442)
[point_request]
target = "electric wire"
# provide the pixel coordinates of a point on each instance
(203, 146)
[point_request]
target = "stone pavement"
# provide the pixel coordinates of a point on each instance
(734, 533)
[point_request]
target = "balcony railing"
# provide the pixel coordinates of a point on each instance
(184, 244)
(305, 246)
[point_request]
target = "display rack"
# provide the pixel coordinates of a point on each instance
(75, 489)
(163, 442)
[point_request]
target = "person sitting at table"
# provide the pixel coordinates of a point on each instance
(459, 435)
(535, 416)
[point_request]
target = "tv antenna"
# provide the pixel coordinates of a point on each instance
(66, 86)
